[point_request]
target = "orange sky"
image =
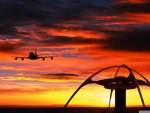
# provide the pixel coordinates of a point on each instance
(86, 36)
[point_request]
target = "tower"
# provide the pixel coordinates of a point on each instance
(119, 84)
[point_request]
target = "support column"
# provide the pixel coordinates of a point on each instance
(120, 100)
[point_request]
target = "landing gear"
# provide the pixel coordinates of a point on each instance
(15, 58)
(43, 58)
(22, 59)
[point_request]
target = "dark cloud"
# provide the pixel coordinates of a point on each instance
(23, 13)
(48, 10)
(59, 40)
(8, 30)
(134, 40)
(59, 76)
(15, 11)
(51, 13)
(8, 46)
(137, 40)
(127, 40)
(62, 74)
(139, 8)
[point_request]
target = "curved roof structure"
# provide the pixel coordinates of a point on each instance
(118, 82)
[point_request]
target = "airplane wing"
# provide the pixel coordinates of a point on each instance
(44, 57)
(22, 58)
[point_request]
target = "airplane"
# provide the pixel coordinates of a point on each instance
(34, 56)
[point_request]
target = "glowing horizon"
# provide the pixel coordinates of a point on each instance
(85, 35)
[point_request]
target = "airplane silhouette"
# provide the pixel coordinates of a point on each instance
(34, 56)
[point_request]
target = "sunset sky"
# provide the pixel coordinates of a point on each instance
(86, 35)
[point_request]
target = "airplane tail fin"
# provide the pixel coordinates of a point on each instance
(36, 51)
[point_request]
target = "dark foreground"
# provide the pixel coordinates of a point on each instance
(68, 110)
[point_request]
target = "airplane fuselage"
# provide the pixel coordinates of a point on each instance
(33, 56)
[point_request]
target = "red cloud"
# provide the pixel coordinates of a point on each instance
(74, 33)
(133, 1)
(129, 18)
(10, 44)
(140, 18)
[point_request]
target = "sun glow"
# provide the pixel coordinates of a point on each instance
(85, 37)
